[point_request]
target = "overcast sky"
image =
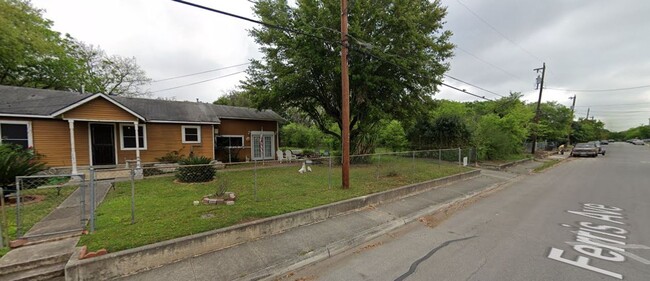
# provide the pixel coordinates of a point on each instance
(587, 45)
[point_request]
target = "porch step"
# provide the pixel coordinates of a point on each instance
(47, 272)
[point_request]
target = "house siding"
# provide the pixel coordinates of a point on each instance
(99, 109)
(164, 138)
(51, 140)
(243, 128)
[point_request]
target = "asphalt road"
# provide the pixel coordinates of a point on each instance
(585, 219)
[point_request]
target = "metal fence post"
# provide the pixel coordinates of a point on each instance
(82, 201)
(132, 195)
(459, 158)
(92, 199)
(18, 224)
(329, 173)
(413, 159)
(3, 223)
(439, 157)
(255, 181)
(378, 163)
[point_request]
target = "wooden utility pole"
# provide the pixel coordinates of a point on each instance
(345, 97)
(539, 102)
(573, 106)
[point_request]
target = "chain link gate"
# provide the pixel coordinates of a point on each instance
(71, 215)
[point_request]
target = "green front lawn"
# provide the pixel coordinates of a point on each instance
(164, 208)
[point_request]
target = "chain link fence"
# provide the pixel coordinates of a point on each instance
(33, 198)
(266, 179)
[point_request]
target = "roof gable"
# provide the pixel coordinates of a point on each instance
(92, 98)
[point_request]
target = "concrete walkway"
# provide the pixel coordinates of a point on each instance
(52, 240)
(67, 216)
(268, 257)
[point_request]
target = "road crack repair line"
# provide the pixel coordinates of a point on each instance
(415, 264)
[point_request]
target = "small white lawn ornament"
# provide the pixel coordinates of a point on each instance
(303, 168)
(308, 168)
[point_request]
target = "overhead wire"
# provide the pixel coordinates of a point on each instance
(202, 72)
(274, 26)
(490, 64)
(480, 88)
(289, 30)
(198, 82)
(497, 31)
(600, 90)
(408, 70)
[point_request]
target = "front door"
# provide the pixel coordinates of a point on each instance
(102, 144)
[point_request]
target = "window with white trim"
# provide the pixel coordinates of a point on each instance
(16, 132)
(230, 141)
(191, 134)
(127, 136)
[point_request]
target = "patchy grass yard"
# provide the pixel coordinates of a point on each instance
(164, 208)
(33, 212)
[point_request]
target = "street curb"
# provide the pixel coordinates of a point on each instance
(132, 261)
(278, 270)
(510, 164)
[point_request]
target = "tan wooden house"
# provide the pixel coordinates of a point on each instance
(81, 130)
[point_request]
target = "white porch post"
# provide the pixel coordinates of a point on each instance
(137, 145)
(73, 153)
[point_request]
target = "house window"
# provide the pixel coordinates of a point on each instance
(230, 141)
(191, 134)
(127, 136)
(262, 145)
(16, 132)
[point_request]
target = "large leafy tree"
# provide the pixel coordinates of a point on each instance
(502, 126)
(31, 53)
(398, 55)
(235, 98)
(446, 126)
(585, 130)
(554, 121)
(34, 55)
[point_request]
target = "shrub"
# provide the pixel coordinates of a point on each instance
(17, 161)
(197, 169)
(171, 157)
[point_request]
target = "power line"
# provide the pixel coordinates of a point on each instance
(197, 73)
(365, 45)
(199, 82)
(287, 30)
(611, 105)
(601, 90)
(408, 70)
(454, 78)
(270, 25)
(490, 64)
(497, 31)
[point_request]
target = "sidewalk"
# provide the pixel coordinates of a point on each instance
(272, 256)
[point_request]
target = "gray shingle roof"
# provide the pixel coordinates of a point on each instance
(28, 101)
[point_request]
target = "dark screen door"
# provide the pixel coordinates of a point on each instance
(103, 144)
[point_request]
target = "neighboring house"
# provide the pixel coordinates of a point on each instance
(80, 130)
